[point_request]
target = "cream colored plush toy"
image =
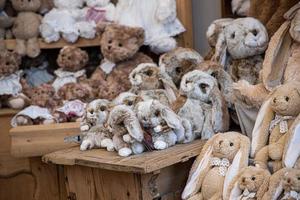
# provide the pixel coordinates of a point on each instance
(250, 184)
(220, 160)
(284, 185)
(274, 121)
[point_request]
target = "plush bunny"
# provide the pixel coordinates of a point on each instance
(162, 23)
(5, 21)
(10, 81)
(240, 7)
(284, 185)
(127, 98)
(178, 62)
(274, 121)
(71, 111)
(26, 27)
(250, 184)
(96, 114)
(148, 76)
(161, 123)
(220, 160)
(119, 46)
(205, 110)
(127, 132)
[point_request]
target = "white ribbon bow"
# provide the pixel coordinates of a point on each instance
(223, 164)
(282, 121)
(292, 194)
(247, 195)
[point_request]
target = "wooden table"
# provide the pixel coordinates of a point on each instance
(102, 175)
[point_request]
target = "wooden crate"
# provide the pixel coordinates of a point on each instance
(102, 175)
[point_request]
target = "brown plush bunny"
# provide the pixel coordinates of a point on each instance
(274, 121)
(26, 27)
(250, 184)
(119, 46)
(284, 185)
(221, 159)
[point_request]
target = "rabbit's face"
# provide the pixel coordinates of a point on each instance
(246, 37)
(127, 98)
(198, 85)
(97, 111)
(252, 179)
(291, 180)
(146, 77)
(149, 114)
(226, 146)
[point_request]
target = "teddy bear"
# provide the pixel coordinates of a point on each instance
(273, 123)
(250, 184)
(284, 185)
(221, 159)
(128, 135)
(119, 46)
(5, 21)
(178, 62)
(205, 110)
(162, 24)
(26, 27)
(149, 77)
(11, 94)
(240, 7)
(270, 12)
(164, 126)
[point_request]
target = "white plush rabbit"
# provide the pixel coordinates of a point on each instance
(205, 109)
(161, 122)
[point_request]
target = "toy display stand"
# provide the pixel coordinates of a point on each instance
(95, 174)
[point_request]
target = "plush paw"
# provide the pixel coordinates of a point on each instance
(125, 152)
(127, 138)
(159, 145)
(17, 103)
(137, 148)
(86, 144)
(21, 121)
(108, 144)
(158, 129)
(84, 128)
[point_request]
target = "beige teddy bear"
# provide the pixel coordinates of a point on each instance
(250, 184)
(26, 27)
(220, 160)
(274, 121)
(284, 185)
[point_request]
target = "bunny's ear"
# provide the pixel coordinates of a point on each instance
(198, 170)
(221, 50)
(234, 190)
(171, 89)
(275, 185)
(133, 126)
(290, 14)
(171, 118)
(292, 150)
(265, 185)
(239, 162)
(260, 132)
(276, 57)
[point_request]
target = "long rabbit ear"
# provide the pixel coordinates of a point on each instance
(234, 190)
(221, 50)
(292, 150)
(133, 126)
(239, 162)
(265, 185)
(275, 185)
(198, 170)
(171, 90)
(171, 118)
(290, 14)
(260, 132)
(276, 57)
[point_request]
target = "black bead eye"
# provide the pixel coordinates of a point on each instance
(202, 85)
(298, 178)
(253, 178)
(231, 144)
(178, 70)
(109, 41)
(91, 111)
(254, 32)
(232, 35)
(157, 113)
(287, 99)
(102, 108)
(149, 73)
(120, 45)
(130, 103)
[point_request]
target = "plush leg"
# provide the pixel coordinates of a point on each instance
(277, 165)
(262, 157)
(20, 47)
(33, 48)
(123, 148)
(108, 144)
(23, 121)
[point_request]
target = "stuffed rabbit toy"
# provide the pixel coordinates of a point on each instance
(148, 76)
(127, 132)
(250, 184)
(284, 185)
(220, 160)
(178, 62)
(128, 99)
(161, 122)
(273, 123)
(205, 109)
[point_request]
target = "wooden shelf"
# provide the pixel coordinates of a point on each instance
(8, 112)
(10, 44)
(144, 163)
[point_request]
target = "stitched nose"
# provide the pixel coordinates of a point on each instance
(109, 47)
(220, 142)
(288, 180)
(243, 180)
(274, 100)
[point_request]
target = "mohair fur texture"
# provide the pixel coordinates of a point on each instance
(161, 123)
(10, 81)
(127, 98)
(240, 7)
(127, 132)
(178, 62)
(209, 179)
(205, 110)
(119, 46)
(273, 123)
(26, 27)
(73, 91)
(149, 77)
(5, 21)
(250, 184)
(270, 12)
(284, 184)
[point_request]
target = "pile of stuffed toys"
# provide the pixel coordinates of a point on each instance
(131, 104)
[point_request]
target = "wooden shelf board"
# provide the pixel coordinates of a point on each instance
(8, 112)
(10, 44)
(144, 163)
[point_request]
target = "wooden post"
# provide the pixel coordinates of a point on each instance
(184, 13)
